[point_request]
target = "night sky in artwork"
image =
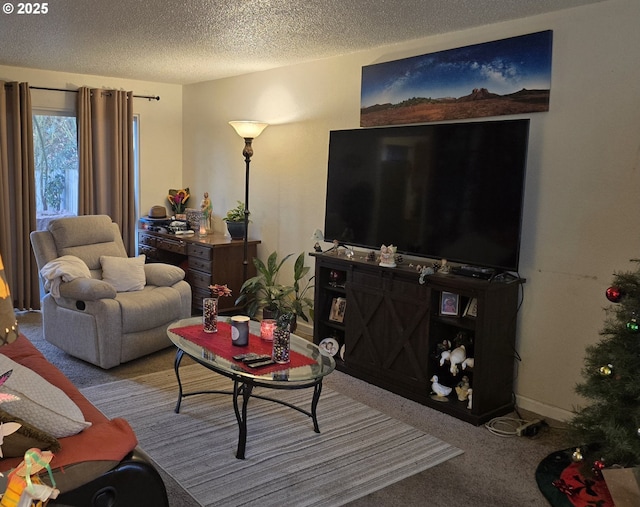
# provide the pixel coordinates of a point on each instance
(502, 67)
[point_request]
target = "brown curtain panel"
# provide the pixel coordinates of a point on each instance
(17, 194)
(105, 153)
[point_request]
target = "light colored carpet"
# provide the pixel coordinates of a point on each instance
(358, 451)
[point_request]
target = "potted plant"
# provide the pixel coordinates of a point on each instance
(235, 221)
(263, 290)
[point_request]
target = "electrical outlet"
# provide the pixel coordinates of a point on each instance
(529, 429)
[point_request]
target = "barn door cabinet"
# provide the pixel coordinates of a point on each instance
(393, 330)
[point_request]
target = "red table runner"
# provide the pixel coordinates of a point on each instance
(220, 344)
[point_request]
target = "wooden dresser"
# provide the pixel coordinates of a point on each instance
(206, 260)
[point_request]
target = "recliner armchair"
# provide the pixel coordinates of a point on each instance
(89, 319)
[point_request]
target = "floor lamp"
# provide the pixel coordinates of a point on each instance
(248, 130)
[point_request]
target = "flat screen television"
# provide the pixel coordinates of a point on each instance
(443, 191)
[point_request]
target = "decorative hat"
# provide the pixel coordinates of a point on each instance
(158, 212)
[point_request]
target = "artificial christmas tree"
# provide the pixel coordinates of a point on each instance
(607, 430)
(610, 424)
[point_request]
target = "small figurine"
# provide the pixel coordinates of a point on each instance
(387, 254)
(443, 346)
(468, 362)
(455, 357)
(441, 392)
(318, 237)
(470, 398)
(426, 271)
(463, 388)
(206, 208)
(462, 338)
(444, 267)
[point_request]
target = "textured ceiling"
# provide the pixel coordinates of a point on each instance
(198, 40)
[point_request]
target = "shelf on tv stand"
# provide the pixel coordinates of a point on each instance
(393, 325)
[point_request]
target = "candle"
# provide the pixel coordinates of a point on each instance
(267, 327)
(203, 226)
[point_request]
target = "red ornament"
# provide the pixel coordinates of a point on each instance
(598, 465)
(614, 294)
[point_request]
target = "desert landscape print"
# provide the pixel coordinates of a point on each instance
(509, 76)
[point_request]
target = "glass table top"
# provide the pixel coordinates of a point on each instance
(321, 364)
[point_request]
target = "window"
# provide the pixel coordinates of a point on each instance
(55, 146)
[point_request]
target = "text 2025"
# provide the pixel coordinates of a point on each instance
(33, 8)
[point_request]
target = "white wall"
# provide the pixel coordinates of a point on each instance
(160, 122)
(581, 220)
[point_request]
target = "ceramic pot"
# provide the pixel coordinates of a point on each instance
(236, 230)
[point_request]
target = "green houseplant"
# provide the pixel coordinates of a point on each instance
(235, 221)
(263, 290)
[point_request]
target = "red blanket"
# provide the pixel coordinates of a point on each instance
(104, 440)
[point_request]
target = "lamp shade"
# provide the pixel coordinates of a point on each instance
(248, 129)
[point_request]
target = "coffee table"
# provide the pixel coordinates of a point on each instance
(307, 368)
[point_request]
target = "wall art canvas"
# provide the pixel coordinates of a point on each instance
(508, 76)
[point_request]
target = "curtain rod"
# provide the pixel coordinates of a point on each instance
(148, 97)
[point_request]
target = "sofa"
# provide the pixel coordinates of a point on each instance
(100, 465)
(101, 306)
(95, 461)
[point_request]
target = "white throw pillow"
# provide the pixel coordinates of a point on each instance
(41, 404)
(126, 274)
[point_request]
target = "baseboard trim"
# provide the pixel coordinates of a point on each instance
(543, 409)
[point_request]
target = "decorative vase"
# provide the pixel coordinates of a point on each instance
(210, 315)
(281, 344)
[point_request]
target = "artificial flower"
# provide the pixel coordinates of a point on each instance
(178, 199)
(220, 290)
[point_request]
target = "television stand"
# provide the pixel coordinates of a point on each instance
(394, 329)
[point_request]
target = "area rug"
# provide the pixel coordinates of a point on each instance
(358, 451)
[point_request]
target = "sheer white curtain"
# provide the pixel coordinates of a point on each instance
(106, 158)
(17, 194)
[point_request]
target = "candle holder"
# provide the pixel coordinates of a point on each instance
(267, 327)
(202, 232)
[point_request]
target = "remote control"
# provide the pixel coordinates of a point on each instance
(242, 357)
(256, 359)
(261, 363)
